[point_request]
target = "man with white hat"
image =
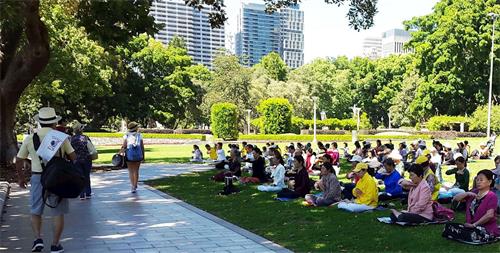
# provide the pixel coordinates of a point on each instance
(48, 119)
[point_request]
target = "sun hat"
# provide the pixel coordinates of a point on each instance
(356, 158)
(421, 159)
(457, 155)
(360, 167)
(47, 115)
(395, 155)
(374, 164)
(133, 126)
(77, 126)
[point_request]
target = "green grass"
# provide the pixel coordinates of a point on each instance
(154, 153)
(308, 229)
(150, 135)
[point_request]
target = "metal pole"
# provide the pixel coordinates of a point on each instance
(314, 138)
(357, 112)
(248, 121)
(492, 56)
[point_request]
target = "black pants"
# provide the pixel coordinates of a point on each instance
(287, 193)
(347, 192)
(220, 165)
(385, 197)
(409, 217)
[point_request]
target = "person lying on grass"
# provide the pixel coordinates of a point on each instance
(329, 185)
(258, 169)
(300, 183)
(480, 212)
(419, 200)
(277, 174)
(365, 192)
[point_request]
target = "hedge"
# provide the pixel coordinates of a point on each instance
(147, 136)
(439, 123)
(224, 121)
(276, 115)
(346, 137)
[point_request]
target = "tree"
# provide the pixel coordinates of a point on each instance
(274, 66)
(25, 51)
(452, 46)
(78, 69)
(230, 83)
(24, 42)
(276, 115)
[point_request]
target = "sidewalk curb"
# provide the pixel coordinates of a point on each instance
(256, 238)
(4, 194)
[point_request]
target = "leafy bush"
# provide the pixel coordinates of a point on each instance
(480, 119)
(276, 114)
(224, 119)
(439, 123)
(257, 123)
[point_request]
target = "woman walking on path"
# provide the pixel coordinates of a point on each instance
(133, 149)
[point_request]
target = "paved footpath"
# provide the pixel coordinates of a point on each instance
(115, 220)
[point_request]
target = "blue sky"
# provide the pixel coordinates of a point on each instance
(326, 29)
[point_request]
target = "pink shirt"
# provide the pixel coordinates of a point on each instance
(420, 200)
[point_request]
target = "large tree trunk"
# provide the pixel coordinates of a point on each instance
(21, 60)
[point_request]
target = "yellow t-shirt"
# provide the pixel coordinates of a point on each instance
(28, 149)
(369, 189)
(243, 152)
(213, 154)
(437, 184)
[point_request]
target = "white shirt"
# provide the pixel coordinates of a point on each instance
(221, 156)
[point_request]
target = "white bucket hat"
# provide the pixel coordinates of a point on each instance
(47, 115)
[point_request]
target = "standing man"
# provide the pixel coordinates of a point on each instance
(48, 119)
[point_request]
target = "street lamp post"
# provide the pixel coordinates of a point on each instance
(248, 121)
(315, 99)
(494, 16)
(355, 111)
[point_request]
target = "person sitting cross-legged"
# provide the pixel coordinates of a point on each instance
(419, 200)
(278, 174)
(391, 178)
(480, 213)
(301, 182)
(329, 185)
(365, 192)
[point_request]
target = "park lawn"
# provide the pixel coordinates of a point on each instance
(154, 153)
(309, 229)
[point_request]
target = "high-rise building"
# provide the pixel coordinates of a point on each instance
(192, 25)
(393, 42)
(260, 33)
(372, 47)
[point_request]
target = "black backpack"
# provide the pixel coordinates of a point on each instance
(59, 177)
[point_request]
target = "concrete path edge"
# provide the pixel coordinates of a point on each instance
(258, 239)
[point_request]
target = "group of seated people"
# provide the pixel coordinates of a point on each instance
(289, 176)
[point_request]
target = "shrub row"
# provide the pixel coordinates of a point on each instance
(345, 137)
(148, 136)
(176, 131)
